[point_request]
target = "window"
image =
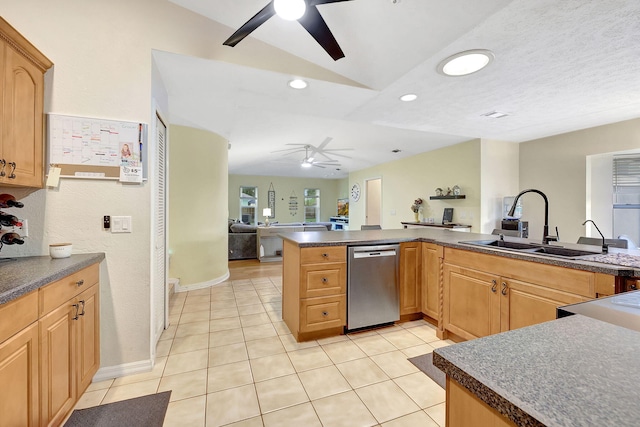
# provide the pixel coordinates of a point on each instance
(626, 179)
(311, 205)
(248, 205)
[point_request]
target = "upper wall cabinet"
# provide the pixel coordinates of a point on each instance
(22, 94)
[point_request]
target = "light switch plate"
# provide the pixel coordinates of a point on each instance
(121, 224)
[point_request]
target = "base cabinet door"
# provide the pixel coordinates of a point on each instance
(87, 337)
(431, 260)
(19, 368)
(410, 278)
(58, 386)
(471, 302)
(525, 304)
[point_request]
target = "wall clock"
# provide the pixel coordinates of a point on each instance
(355, 192)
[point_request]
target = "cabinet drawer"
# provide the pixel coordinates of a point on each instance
(54, 294)
(322, 313)
(323, 254)
(323, 280)
(18, 314)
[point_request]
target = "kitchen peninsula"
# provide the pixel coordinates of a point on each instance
(468, 291)
(578, 370)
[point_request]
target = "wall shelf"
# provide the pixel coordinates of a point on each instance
(461, 196)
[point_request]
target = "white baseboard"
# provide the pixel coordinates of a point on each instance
(117, 371)
(201, 285)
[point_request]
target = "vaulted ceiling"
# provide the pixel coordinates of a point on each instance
(560, 65)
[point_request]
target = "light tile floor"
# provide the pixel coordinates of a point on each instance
(230, 360)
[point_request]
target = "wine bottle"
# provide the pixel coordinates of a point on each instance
(11, 239)
(9, 220)
(8, 201)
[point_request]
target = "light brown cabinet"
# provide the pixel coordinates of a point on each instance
(49, 350)
(69, 341)
(314, 290)
(486, 294)
(410, 278)
(463, 409)
(22, 92)
(19, 352)
(431, 261)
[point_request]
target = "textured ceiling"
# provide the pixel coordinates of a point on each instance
(560, 66)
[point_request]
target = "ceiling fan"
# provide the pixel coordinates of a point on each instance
(309, 161)
(308, 16)
(311, 153)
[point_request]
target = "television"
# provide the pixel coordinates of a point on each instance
(343, 207)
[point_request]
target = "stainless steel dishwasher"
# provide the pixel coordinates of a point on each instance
(372, 285)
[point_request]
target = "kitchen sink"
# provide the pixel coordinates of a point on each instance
(531, 248)
(563, 252)
(502, 244)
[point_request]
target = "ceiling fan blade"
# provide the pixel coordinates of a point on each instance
(317, 165)
(313, 22)
(317, 2)
(260, 18)
(326, 142)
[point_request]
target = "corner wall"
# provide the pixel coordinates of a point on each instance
(499, 178)
(198, 180)
(556, 165)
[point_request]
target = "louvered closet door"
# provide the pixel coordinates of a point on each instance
(159, 293)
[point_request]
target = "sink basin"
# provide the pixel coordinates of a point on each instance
(563, 252)
(532, 248)
(502, 244)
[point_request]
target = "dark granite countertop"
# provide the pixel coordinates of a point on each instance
(26, 274)
(574, 371)
(449, 238)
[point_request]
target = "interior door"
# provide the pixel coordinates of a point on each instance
(373, 196)
(160, 291)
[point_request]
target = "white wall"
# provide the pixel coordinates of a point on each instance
(599, 194)
(498, 178)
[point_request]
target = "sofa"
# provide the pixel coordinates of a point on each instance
(243, 241)
(243, 238)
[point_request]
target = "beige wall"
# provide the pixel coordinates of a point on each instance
(418, 176)
(330, 191)
(557, 166)
(499, 178)
(198, 180)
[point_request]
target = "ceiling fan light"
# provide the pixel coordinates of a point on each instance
(290, 10)
(464, 63)
(305, 164)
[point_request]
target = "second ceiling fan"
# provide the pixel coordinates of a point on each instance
(310, 19)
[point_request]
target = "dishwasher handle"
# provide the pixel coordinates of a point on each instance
(375, 254)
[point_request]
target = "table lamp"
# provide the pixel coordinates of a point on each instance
(266, 213)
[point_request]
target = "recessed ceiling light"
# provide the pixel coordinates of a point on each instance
(464, 63)
(290, 9)
(298, 84)
(409, 97)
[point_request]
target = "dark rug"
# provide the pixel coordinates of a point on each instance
(145, 411)
(425, 364)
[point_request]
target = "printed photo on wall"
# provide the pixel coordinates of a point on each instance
(130, 167)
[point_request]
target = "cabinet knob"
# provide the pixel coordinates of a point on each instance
(494, 287)
(325, 313)
(325, 280)
(325, 255)
(12, 175)
(80, 282)
(504, 288)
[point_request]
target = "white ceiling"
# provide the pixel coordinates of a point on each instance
(561, 65)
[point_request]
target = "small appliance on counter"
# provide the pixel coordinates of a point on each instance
(513, 224)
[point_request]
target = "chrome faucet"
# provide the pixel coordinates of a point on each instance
(605, 247)
(546, 238)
